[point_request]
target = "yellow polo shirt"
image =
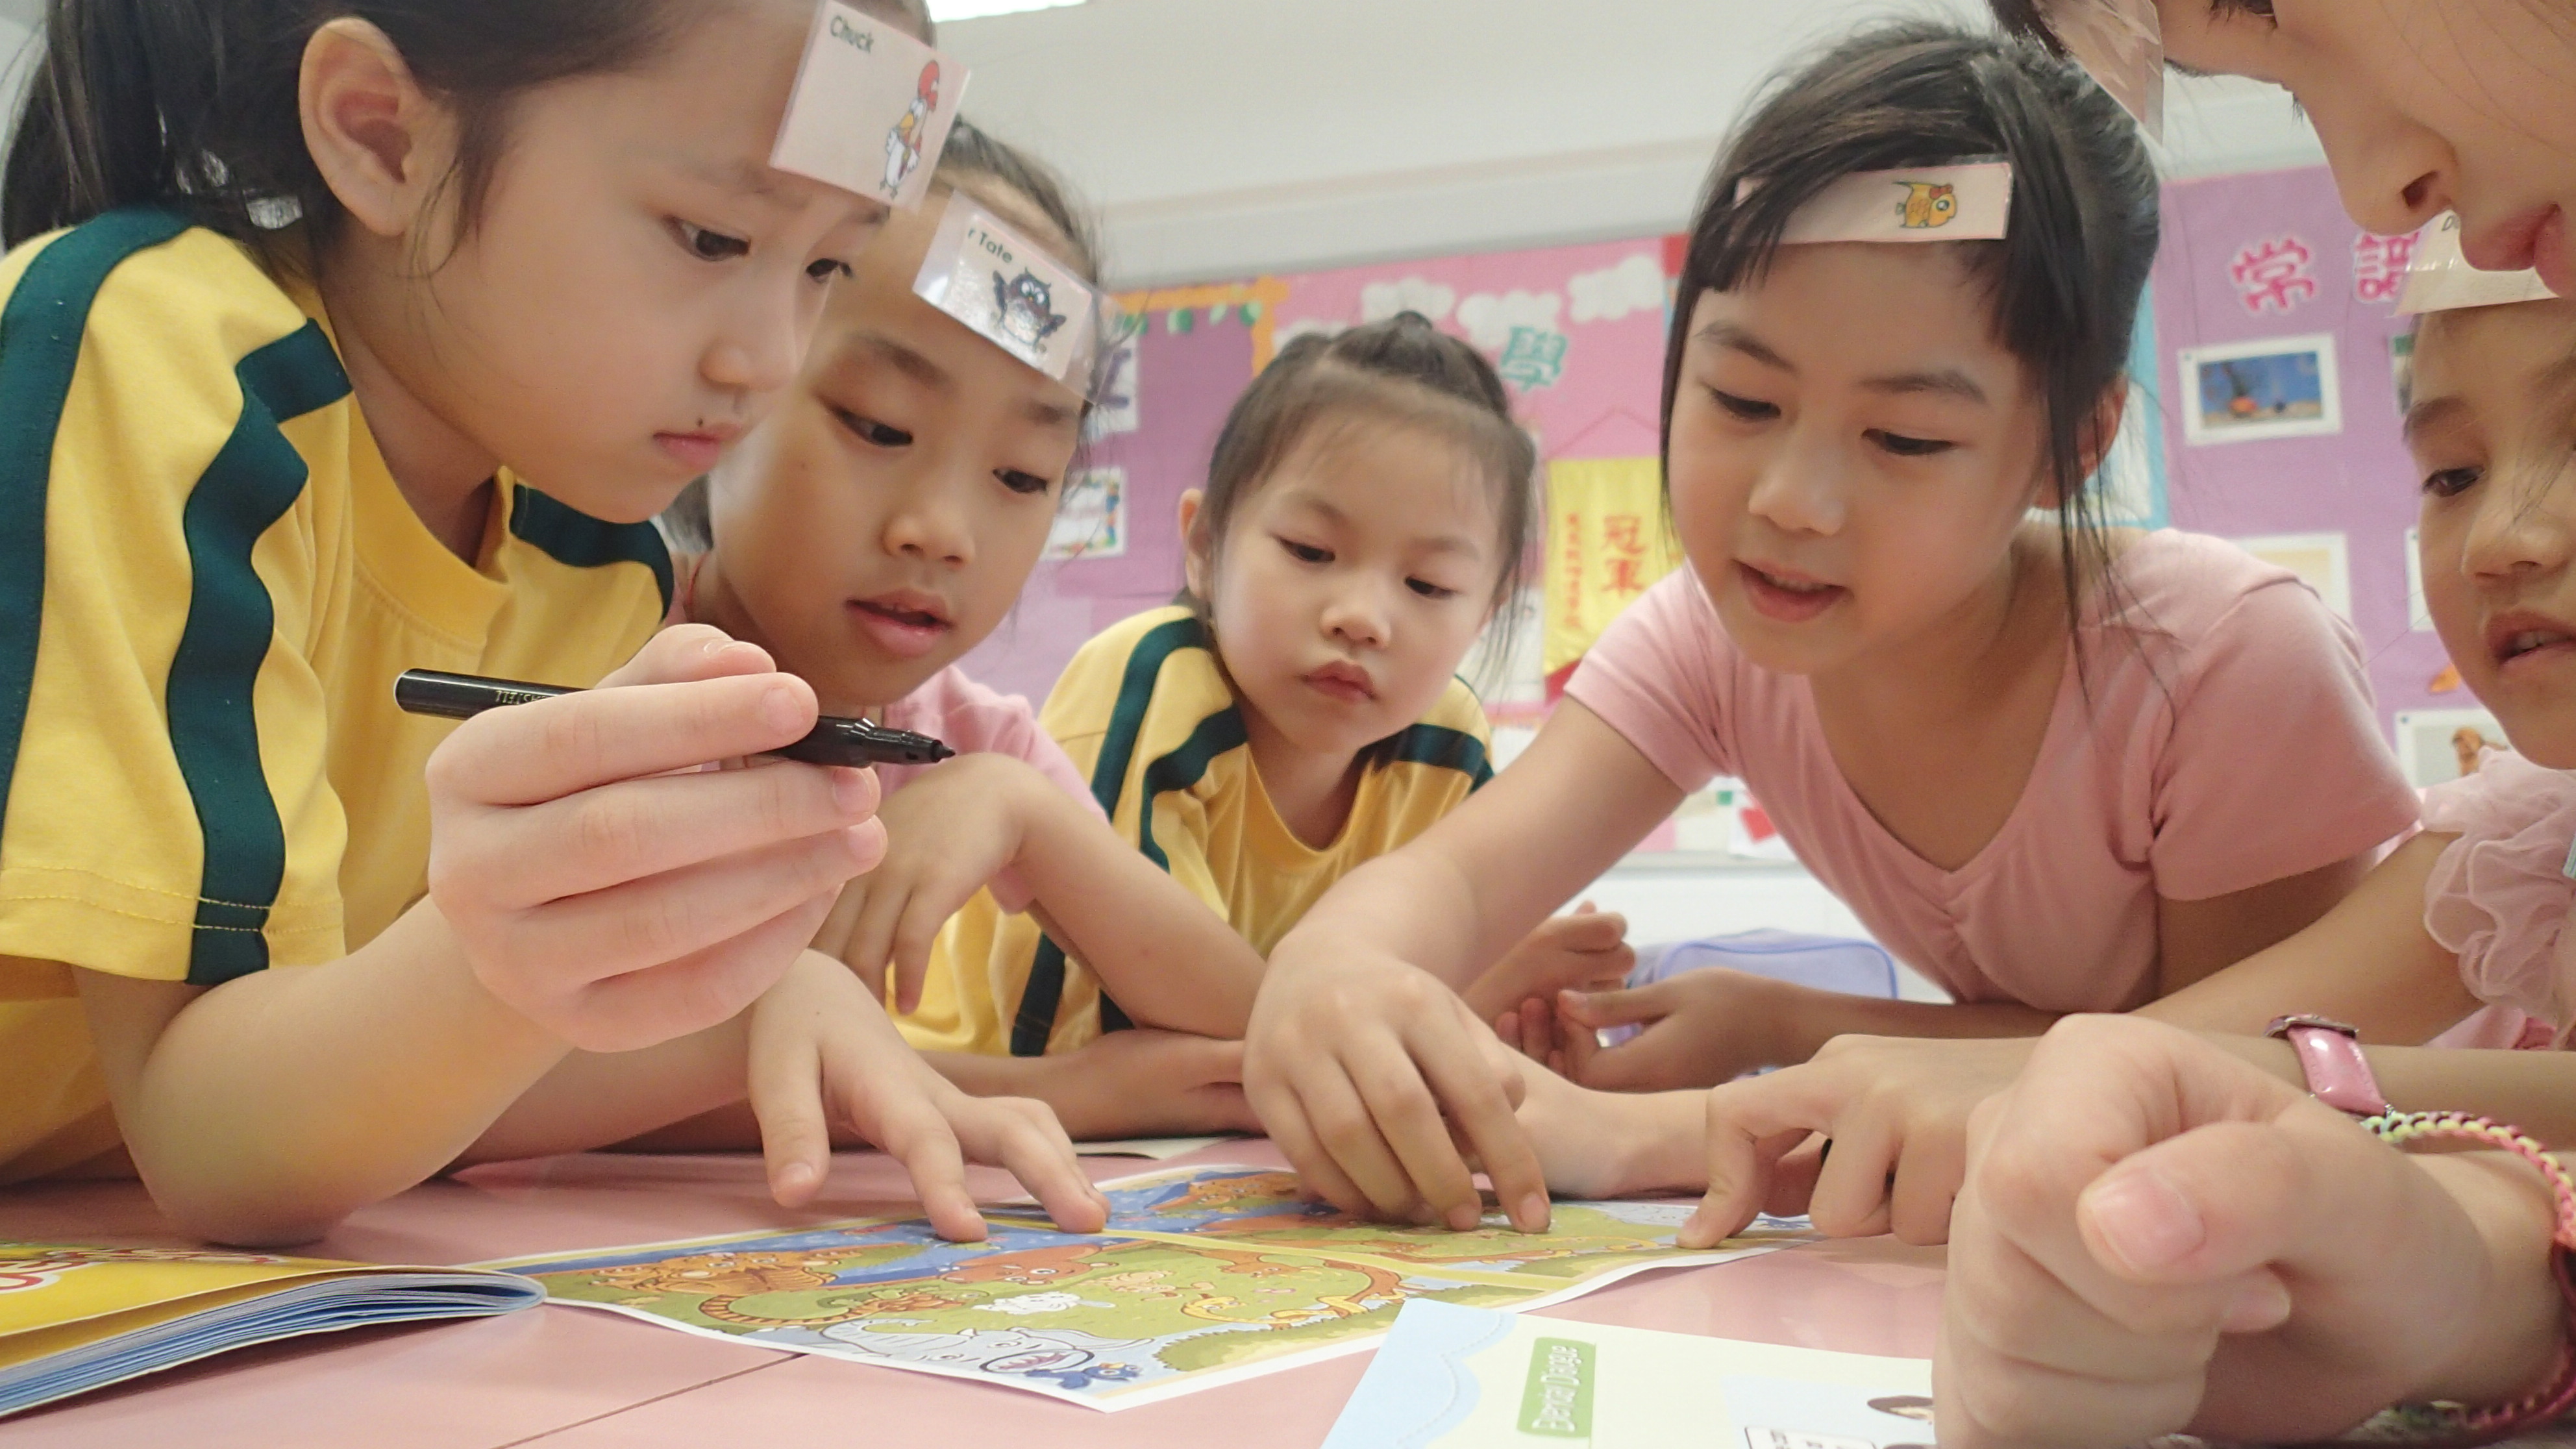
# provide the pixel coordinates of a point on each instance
(208, 582)
(1145, 711)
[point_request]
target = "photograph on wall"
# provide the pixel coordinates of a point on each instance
(2323, 561)
(1091, 522)
(2280, 387)
(2439, 745)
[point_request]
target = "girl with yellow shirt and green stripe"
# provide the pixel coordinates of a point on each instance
(1299, 714)
(340, 337)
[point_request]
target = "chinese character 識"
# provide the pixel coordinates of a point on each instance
(2274, 274)
(2379, 266)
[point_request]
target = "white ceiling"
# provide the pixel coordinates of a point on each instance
(1223, 138)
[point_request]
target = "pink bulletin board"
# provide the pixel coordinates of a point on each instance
(1578, 331)
(1182, 384)
(2249, 262)
(2253, 265)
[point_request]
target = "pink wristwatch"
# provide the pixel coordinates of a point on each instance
(2330, 1057)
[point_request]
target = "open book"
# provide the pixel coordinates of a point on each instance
(74, 1319)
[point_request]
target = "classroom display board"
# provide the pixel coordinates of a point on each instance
(2282, 389)
(2270, 374)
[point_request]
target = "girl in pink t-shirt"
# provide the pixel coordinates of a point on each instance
(2054, 766)
(881, 525)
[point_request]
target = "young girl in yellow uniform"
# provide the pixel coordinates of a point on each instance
(345, 338)
(1366, 512)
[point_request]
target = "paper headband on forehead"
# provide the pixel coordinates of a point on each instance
(871, 110)
(1964, 201)
(1009, 292)
(2121, 44)
(2440, 279)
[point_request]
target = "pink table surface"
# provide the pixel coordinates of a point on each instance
(572, 1377)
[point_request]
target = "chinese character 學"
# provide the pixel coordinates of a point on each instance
(2379, 266)
(2274, 274)
(1534, 357)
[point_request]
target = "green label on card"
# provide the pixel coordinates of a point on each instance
(1557, 1404)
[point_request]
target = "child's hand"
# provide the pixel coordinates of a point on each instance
(1701, 1028)
(949, 831)
(2157, 1236)
(1611, 1144)
(1370, 1075)
(1896, 1111)
(1586, 950)
(1147, 1083)
(602, 885)
(822, 1052)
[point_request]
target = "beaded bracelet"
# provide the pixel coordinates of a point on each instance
(2454, 1426)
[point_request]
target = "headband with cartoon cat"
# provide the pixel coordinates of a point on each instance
(1961, 201)
(1008, 291)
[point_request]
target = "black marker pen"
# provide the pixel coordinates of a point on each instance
(835, 741)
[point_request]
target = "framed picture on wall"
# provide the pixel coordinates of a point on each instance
(1091, 522)
(2323, 561)
(2277, 387)
(2437, 745)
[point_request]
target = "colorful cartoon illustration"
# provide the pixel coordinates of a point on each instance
(29, 1266)
(903, 143)
(1027, 307)
(1201, 1272)
(1928, 204)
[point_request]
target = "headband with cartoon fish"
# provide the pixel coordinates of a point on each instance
(1961, 201)
(1008, 291)
(2440, 279)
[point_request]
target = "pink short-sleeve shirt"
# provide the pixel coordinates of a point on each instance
(2229, 740)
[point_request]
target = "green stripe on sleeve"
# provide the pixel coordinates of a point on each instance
(1034, 1021)
(577, 540)
(232, 622)
(1444, 748)
(40, 346)
(1183, 768)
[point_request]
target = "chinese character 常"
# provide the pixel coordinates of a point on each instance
(2274, 274)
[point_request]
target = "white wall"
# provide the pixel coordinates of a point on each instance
(15, 53)
(1231, 137)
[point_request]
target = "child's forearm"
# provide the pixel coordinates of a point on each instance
(1809, 1018)
(267, 1109)
(2521, 1321)
(1160, 953)
(592, 1100)
(1392, 906)
(2369, 962)
(2535, 1091)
